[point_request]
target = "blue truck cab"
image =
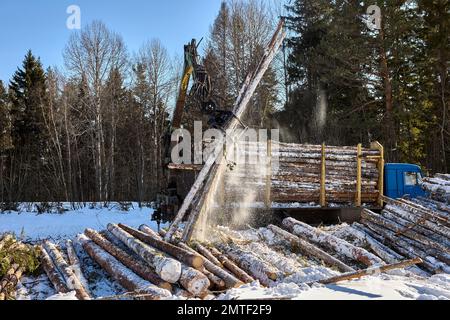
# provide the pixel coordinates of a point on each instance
(401, 179)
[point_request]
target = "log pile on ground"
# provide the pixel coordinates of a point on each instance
(16, 259)
(296, 172)
(149, 267)
(438, 187)
(408, 229)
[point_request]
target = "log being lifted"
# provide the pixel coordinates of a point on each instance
(230, 265)
(75, 264)
(370, 271)
(340, 246)
(71, 280)
(52, 273)
(168, 269)
(120, 273)
(134, 265)
(309, 249)
(182, 255)
(209, 170)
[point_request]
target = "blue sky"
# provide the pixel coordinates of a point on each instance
(40, 25)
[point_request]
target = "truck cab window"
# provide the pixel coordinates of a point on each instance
(411, 178)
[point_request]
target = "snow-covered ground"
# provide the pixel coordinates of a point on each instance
(382, 287)
(31, 226)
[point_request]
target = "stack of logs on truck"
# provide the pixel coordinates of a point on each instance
(284, 174)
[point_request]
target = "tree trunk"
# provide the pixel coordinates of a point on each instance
(194, 281)
(50, 269)
(9, 282)
(340, 246)
(258, 268)
(136, 266)
(231, 266)
(371, 271)
(230, 281)
(182, 255)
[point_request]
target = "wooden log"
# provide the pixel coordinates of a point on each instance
(136, 266)
(168, 269)
(216, 275)
(309, 249)
(120, 273)
(76, 265)
(383, 251)
(394, 226)
(416, 227)
(404, 247)
(71, 280)
(9, 282)
(419, 211)
(418, 219)
(206, 253)
(7, 238)
(209, 170)
(371, 271)
(52, 272)
(147, 230)
(182, 255)
(338, 245)
(214, 280)
(231, 266)
(212, 276)
(194, 281)
(259, 269)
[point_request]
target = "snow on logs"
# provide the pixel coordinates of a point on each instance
(168, 269)
(211, 263)
(297, 173)
(340, 246)
(52, 273)
(411, 235)
(9, 282)
(124, 276)
(256, 267)
(182, 255)
(75, 264)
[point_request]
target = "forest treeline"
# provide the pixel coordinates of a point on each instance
(93, 129)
